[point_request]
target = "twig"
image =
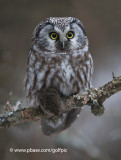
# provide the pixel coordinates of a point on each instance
(92, 97)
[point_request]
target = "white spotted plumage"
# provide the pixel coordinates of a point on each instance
(64, 64)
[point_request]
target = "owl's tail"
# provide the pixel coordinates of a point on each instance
(50, 126)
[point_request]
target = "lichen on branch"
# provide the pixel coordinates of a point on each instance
(93, 97)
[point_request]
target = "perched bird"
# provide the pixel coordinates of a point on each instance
(59, 65)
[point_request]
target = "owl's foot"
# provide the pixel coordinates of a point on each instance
(96, 108)
(49, 101)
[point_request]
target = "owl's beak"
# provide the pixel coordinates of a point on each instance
(62, 45)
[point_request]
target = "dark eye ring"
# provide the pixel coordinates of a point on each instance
(53, 35)
(70, 35)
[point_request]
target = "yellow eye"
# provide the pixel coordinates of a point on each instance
(70, 35)
(53, 35)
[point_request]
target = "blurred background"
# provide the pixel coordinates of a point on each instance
(90, 137)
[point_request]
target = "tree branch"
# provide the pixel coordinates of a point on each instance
(92, 97)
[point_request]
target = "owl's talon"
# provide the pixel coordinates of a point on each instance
(49, 112)
(87, 90)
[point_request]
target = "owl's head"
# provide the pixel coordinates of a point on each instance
(60, 34)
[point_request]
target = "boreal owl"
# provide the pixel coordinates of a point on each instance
(59, 65)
